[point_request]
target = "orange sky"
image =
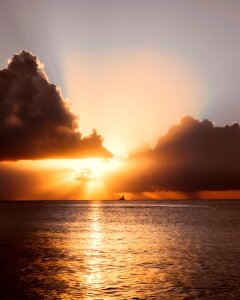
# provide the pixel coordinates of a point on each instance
(80, 180)
(132, 97)
(131, 70)
(46, 155)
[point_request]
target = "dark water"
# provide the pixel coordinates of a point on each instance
(120, 250)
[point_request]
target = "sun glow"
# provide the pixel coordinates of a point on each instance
(84, 169)
(94, 166)
(111, 89)
(65, 178)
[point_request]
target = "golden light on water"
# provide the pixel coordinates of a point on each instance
(94, 249)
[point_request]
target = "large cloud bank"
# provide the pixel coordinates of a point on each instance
(35, 120)
(193, 156)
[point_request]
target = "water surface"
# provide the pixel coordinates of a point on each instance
(120, 250)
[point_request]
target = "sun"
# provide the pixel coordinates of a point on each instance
(89, 173)
(70, 178)
(84, 170)
(93, 169)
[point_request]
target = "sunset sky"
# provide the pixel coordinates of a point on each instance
(125, 73)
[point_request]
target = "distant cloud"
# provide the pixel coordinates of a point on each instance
(84, 175)
(193, 156)
(35, 120)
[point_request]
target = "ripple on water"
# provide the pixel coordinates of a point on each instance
(129, 251)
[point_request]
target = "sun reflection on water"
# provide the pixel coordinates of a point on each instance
(94, 249)
(102, 250)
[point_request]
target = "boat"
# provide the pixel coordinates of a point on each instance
(122, 198)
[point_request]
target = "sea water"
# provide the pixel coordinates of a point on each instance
(120, 250)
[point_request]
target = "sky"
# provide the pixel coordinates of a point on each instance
(130, 69)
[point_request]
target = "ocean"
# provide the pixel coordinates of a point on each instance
(120, 249)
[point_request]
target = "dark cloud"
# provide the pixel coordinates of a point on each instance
(193, 156)
(35, 120)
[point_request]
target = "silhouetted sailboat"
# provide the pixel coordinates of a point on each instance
(122, 198)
